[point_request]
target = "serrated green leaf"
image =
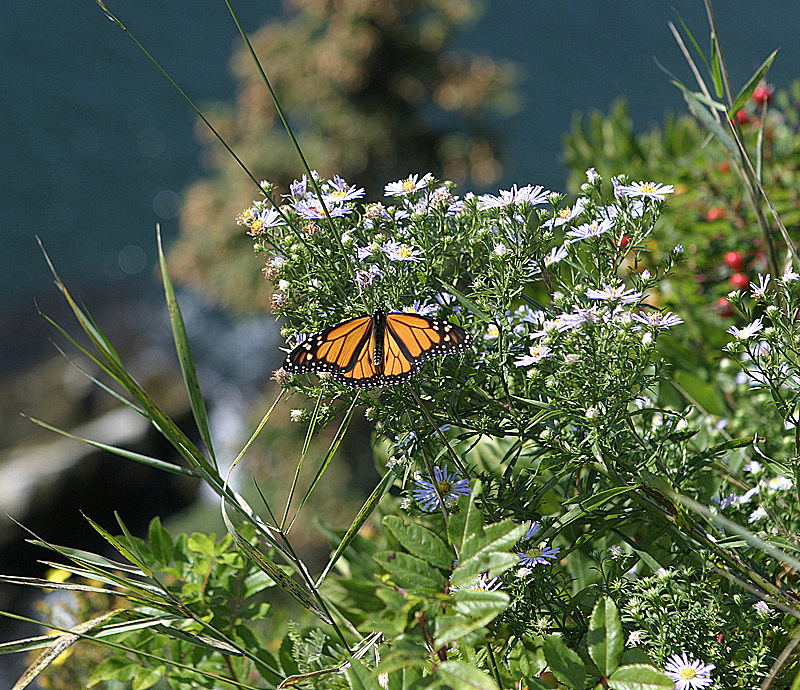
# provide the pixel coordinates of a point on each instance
(565, 664)
(461, 675)
(639, 677)
(202, 543)
(747, 90)
(421, 542)
(467, 521)
(487, 551)
(605, 638)
(410, 569)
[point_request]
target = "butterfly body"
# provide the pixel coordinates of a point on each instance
(378, 350)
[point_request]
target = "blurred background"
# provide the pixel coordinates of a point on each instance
(98, 148)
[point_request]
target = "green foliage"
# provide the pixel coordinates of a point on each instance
(562, 503)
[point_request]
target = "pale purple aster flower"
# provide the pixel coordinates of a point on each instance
(509, 197)
(568, 321)
(790, 277)
(754, 467)
(778, 483)
(594, 228)
(748, 331)
(538, 353)
(492, 332)
(397, 251)
(486, 584)
(363, 253)
(757, 514)
(658, 319)
(312, 209)
(555, 255)
(449, 486)
(411, 184)
(536, 555)
(421, 309)
(565, 214)
(298, 189)
(648, 190)
(615, 294)
(760, 288)
(342, 191)
(762, 609)
(270, 218)
(688, 675)
(445, 299)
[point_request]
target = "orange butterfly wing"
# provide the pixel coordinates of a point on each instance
(347, 350)
(336, 349)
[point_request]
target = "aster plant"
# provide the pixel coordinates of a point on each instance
(559, 507)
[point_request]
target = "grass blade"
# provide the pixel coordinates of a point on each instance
(127, 454)
(184, 350)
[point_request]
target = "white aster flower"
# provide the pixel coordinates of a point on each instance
(760, 288)
(688, 675)
(747, 332)
(648, 190)
(617, 293)
(762, 609)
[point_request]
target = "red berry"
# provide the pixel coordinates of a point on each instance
(762, 94)
(715, 213)
(743, 117)
(739, 280)
(724, 167)
(724, 307)
(734, 260)
(622, 241)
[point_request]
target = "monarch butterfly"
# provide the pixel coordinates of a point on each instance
(378, 350)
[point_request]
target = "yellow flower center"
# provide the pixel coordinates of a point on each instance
(564, 212)
(404, 251)
(338, 194)
(688, 673)
(444, 487)
(534, 552)
(408, 185)
(649, 188)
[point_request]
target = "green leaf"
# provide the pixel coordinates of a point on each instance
(366, 510)
(565, 664)
(410, 569)
(121, 452)
(160, 541)
(475, 609)
(639, 677)
(747, 90)
(148, 677)
(184, 350)
(700, 392)
(421, 542)
(605, 638)
(702, 113)
(461, 675)
(359, 678)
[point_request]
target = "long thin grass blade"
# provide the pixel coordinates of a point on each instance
(127, 454)
(60, 644)
(328, 457)
(747, 90)
(383, 486)
(184, 350)
(284, 581)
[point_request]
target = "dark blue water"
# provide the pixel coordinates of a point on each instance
(97, 146)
